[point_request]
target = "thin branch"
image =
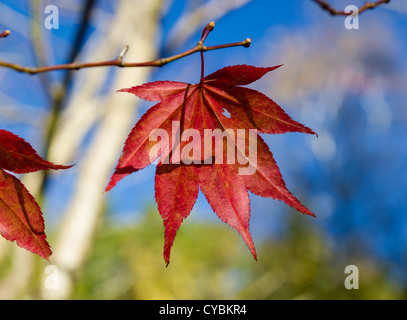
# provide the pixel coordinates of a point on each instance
(60, 95)
(119, 60)
(81, 32)
(368, 5)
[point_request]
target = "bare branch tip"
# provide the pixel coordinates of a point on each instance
(123, 53)
(208, 28)
(247, 42)
(5, 33)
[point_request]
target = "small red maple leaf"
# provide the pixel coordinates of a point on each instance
(201, 147)
(20, 216)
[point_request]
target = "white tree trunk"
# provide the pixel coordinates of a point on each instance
(135, 24)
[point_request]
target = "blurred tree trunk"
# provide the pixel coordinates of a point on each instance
(135, 23)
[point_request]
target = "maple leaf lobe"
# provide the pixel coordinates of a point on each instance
(238, 74)
(21, 218)
(156, 91)
(18, 156)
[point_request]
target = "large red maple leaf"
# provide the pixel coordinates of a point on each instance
(179, 174)
(20, 216)
(200, 146)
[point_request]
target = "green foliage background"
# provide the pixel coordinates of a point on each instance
(210, 261)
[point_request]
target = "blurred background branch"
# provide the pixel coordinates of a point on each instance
(368, 5)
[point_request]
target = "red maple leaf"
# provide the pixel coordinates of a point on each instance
(20, 216)
(201, 147)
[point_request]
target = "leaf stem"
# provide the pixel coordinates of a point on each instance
(209, 27)
(202, 68)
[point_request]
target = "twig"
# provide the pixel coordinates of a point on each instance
(119, 60)
(368, 5)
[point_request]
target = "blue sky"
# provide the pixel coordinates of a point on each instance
(373, 215)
